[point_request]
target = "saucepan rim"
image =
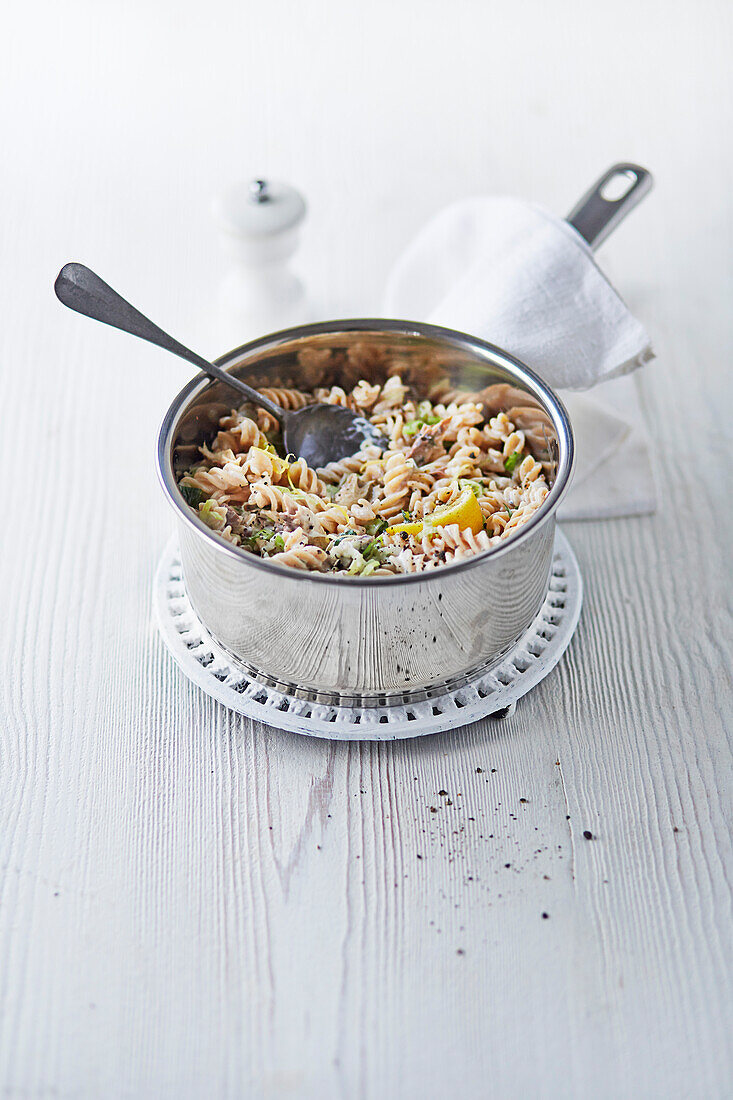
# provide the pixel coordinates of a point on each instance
(547, 397)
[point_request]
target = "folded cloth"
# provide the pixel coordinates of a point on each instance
(515, 275)
(613, 472)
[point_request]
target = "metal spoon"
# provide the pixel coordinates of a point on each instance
(316, 433)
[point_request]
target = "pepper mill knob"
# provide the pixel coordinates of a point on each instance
(259, 222)
(258, 191)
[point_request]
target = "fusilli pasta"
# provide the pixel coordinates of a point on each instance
(450, 483)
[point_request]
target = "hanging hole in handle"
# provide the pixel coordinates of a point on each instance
(618, 186)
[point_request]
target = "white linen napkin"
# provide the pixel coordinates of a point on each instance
(513, 274)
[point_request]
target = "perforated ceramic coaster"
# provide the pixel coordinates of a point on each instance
(492, 694)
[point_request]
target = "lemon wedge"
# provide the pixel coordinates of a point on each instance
(464, 510)
(408, 528)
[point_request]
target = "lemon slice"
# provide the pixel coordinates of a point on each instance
(464, 510)
(408, 528)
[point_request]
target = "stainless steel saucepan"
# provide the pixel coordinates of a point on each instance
(388, 639)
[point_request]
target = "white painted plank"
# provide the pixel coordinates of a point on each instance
(192, 905)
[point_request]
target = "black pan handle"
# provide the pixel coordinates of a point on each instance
(609, 200)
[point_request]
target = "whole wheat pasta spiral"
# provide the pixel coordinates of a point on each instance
(449, 484)
(334, 396)
(273, 497)
(395, 486)
(335, 472)
(461, 543)
(238, 433)
(301, 557)
(288, 399)
(364, 395)
(302, 477)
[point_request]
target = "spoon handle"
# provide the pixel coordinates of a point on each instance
(83, 291)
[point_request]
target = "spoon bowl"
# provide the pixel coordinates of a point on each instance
(318, 433)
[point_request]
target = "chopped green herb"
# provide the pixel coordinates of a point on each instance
(211, 515)
(376, 526)
(406, 516)
(512, 461)
(342, 535)
(475, 486)
(192, 495)
(413, 426)
(372, 548)
(268, 534)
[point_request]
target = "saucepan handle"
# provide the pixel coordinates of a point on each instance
(609, 201)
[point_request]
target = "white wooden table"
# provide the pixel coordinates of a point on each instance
(193, 905)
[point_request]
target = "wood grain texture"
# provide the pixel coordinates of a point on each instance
(195, 905)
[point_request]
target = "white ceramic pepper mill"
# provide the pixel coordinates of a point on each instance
(259, 224)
